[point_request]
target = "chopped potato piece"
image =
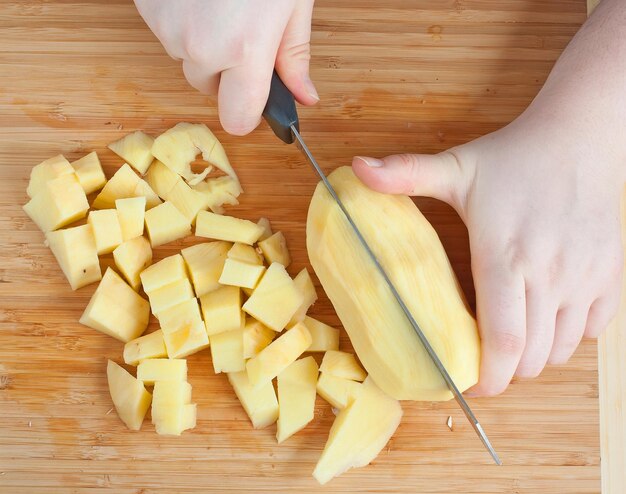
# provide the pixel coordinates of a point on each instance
(259, 402)
(89, 172)
(245, 253)
(48, 170)
(304, 283)
(205, 263)
(125, 183)
(129, 396)
(242, 274)
(131, 212)
(135, 150)
(255, 338)
(176, 315)
(188, 201)
(116, 309)
(163, 273)
(221, 310)
(106, 229)
(336, 390)
(342, 364)
(219, 191)
(75, 251)
(149, 346)
(131, 258)
(324, 336)
(267, 228)
(179, 146)
(172, 412)
(275, 299)
(359, 432)
(296, 397)
(229, 228)
(275, 249)
(59, 202)
(227, 351)
(162, 369)
(275, 358)
(162, 179)
(170, 295)
(187, 339)
(165, 224)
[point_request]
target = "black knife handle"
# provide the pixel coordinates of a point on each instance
(280, 110)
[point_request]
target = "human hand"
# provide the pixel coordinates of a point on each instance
(229, 50)
(542, 205)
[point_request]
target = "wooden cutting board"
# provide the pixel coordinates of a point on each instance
(394, 76)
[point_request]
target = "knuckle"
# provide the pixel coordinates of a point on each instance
(507, 343)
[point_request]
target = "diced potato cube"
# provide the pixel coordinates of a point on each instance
(129, 396)
(205, 263)
(275, 299)
(178, 147)
(170, 295)
(149, 346)
(219, 191)
(275, 249)
(324, 336)
(131, 212)
(116, 309)
(161, 179)
(359, 432)
(188, 201)
(106, 229)
(221, 310)
(163, 273)
(296, 397)
(75, 251)
(336, 390)
(89, 172)
(275, 358)
(304, 283)
(227, 351)
(259, 402)
(245, 253)
(267, 228)
(131, 258)
(342, 364)
(189, 338)
(237, 273)
(125, 183)
(45, 171)
(134, 149)
(165, 224)
(229, 228)
(171, 410)
(59, 202)
(255, 338)
(162, 369)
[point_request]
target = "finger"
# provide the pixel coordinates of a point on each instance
(436, 175)
(601, 313)
(242, 96)
(540, 326)
(202, 78)
(570, 326)
(501, 308)
(294, 54)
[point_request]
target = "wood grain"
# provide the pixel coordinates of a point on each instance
(403, 76)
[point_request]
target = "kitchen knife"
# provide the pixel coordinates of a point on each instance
(280, 112)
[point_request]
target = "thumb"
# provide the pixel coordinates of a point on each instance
(431, 175)
(294, 54)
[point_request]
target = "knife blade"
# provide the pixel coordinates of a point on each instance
(282, 116)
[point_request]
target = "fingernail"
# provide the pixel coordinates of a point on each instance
(371, 162)
(310, 89)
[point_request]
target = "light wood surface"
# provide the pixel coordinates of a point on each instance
(393, 76)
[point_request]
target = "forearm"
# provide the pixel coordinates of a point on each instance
(586, 91)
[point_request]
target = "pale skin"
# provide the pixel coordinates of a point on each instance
(540, 197)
